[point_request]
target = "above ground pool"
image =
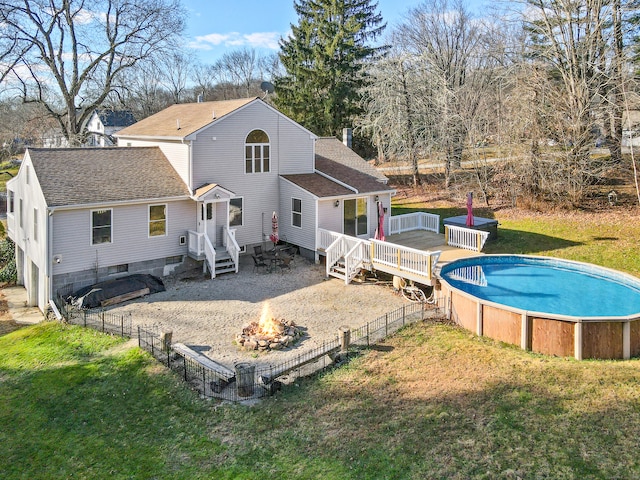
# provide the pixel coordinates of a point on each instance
(546, 304)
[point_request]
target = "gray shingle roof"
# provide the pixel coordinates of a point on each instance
(181, 120)
(81, 176)
(116, 118)
(320, 186)
(331, 148)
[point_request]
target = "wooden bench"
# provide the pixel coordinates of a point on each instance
(124, 297)
(219, 370)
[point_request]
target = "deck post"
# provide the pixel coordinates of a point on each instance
(577, 340)
(626, 340)
(524, 332)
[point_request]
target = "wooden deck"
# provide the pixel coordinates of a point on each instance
(429, 241)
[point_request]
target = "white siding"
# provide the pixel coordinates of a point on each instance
(23, 237)
(130, 236)
(176, 152)
(329, 216)
(306, 235)
(221, 161)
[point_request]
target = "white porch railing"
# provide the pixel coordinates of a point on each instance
(355, 259)
(404, 261)
(229, 241)
(344, 246)
(324, 238)
(210, 254)
(196, 243)
(414, 221)
(466, 238)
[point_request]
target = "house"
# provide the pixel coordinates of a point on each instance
(103, 124)
(194, 180)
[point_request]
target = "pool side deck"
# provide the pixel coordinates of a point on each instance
(429, 241)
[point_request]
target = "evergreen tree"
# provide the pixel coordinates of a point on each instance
(324, 60)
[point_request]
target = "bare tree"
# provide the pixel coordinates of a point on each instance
(67, 54)
(577, 47)
(453, 49)
(175, 72)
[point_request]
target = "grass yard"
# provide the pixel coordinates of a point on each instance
(433, 401)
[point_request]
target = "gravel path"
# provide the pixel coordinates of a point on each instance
(210, 313)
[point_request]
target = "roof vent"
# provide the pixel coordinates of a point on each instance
(213, 114)
(178, 123)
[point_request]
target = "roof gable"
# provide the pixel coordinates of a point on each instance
(184, 119)
(87, 176)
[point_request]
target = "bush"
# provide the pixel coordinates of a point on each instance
(8, 270)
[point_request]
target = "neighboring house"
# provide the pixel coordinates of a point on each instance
(103, 124)
(205, 186)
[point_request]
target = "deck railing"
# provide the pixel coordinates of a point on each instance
(401, 259)
(466, 238)
(325, 238)
(414, 221)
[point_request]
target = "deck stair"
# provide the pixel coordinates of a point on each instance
(347, 256)
(224, 262)
(339, 269)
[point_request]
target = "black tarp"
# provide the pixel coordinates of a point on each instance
(92, 296)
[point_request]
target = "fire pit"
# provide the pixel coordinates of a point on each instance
(268, 333)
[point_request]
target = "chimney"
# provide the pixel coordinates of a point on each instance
(347, 136)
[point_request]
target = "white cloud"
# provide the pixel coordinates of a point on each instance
(267, 40)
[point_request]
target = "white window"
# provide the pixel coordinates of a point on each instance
(296, 212)
(10, 202)
(101, 226)
(20, 212)
(236, 216)
(26, 174)
(256, 152)
(35, 224)
(157, 220)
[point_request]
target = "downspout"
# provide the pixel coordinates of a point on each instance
(48, 265)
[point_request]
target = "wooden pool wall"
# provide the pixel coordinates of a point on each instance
(601, 338)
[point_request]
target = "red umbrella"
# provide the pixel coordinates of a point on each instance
(274, 229)
(380, 230)
(470, 209)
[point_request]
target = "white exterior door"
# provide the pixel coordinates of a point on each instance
(210, 221)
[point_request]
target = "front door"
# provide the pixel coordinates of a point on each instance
(210, 221)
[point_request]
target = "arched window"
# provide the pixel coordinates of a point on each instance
(256, 152)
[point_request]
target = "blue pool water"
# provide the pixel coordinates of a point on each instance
(546, 285)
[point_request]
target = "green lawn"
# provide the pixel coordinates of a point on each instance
(434, 401)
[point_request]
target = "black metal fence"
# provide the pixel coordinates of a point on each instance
(245, 381)
(253, 381)
(98, 319)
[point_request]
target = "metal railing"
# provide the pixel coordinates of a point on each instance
(466, 238)
(414, 221)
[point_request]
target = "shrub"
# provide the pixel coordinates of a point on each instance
(8, 270)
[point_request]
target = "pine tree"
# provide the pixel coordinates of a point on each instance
(325, 60)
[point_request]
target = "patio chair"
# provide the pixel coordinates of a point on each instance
(258, 263)
(291, 253)
(284, 263)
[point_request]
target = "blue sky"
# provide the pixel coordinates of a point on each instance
(215, 27)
